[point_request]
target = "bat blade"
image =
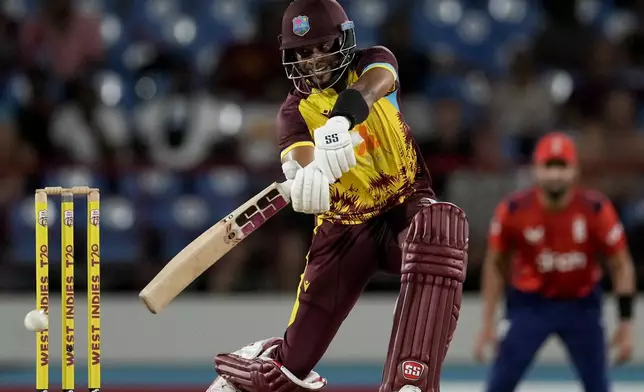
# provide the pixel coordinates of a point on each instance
(212, 245)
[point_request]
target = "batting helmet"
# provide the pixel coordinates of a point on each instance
(311, 22)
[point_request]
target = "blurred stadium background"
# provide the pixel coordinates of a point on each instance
(168, 106)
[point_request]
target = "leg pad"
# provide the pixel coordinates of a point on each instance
(433, 270)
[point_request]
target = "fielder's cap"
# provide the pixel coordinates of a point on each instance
(556, 146)
(310, 22)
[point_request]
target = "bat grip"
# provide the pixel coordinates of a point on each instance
(285, 188)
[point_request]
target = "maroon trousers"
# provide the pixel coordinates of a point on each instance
(341, 261)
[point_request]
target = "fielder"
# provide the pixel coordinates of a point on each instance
(374, 208)
(551, 234)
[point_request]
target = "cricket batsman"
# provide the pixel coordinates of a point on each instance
(357, 169)
(545, 240)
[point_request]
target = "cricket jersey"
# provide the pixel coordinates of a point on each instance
(555, 252)
(389, 166)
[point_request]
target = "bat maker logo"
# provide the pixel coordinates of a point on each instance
(412, 370)
(255, 215)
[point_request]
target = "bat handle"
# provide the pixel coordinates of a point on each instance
(285, 188)
(289, 168)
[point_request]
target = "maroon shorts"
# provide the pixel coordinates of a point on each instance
(341, 261)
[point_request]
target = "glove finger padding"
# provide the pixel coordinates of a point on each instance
(307, 189)
(334, 164)
(315, 193)
(325, 197)
(343, 161)
(351, 156)
(322, 162)
(296, 190)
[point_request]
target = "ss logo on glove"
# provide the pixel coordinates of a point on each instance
(332, 138)
(334, 146)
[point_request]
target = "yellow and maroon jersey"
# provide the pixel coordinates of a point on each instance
(389, 166)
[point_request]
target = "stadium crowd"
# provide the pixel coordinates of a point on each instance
(169, 107)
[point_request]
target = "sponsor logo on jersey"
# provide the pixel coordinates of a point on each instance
(614, 234)
(579, 230)
(534, 235)
(548, 261)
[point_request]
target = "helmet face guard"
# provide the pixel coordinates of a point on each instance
(304, 82)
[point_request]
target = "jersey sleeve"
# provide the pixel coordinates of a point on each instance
(500, 232)
(609, 229)
(292, 130)
(378, 57)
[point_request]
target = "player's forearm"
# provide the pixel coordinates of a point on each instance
(303, 155)
(355, 102)
(374, 84)
(491, 287)
(623, 274)
(624, 280)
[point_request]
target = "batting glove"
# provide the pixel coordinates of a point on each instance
(290, 168)
(334, 153)
(310, 190)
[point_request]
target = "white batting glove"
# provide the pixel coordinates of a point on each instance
(310, 191)
(290, 168)
(334, 153)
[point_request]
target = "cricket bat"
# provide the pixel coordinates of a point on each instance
(212, 245)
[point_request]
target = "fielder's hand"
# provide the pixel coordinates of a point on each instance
(487, 338)
(310, 191)
(623, 342)
(334, 153)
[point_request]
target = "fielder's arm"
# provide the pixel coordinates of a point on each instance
(610, 234)
(496, 265)
(622, 273)
(495, 268)
(623, 277)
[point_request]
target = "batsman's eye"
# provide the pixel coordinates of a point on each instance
(304, 52)
(327, 46)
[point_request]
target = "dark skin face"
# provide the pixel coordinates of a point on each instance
(317, 61)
